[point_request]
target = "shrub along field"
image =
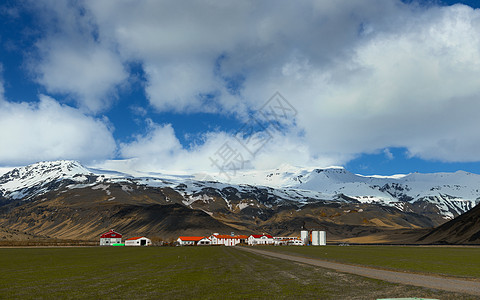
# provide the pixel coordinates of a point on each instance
(449, 261)
(180, 272)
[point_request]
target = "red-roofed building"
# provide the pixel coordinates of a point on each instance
(227, 240)
(260, 239)
(193, 240)
(138, 241)
(109, 238)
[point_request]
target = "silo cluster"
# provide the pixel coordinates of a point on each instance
(314, 237)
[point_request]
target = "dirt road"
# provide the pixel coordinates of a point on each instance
(434, 282)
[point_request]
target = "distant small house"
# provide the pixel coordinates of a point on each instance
(260, 239)
(193, 240)
(110, 238)
(138, 241)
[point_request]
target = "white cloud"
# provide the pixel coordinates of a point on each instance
(70, 60)
(159, 144)
(220, 152)
(363, 75)
(414, 86)
(388, 154)
(46, 130)
(88, 74)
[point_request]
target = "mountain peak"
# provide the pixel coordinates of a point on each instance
(39, 173)
(60, 167)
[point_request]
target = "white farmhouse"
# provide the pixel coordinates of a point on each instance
(260, 239)
(227, 240)
(138, 241)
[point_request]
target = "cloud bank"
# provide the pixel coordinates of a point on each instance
(49, 131)
(363, 75)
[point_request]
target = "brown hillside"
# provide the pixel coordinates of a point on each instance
(464, 229)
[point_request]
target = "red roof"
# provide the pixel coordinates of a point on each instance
(226, 236)
(111, 234)
(191, 238)
(257, 236)
(134, 238)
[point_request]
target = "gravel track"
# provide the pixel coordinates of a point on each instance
(434, 282)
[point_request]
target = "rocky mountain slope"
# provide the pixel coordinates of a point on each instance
(464, 229)
(67, 200)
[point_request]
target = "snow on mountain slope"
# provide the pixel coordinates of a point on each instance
(451, 193)
(39, 177)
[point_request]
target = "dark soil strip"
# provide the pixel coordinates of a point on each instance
(439, 283)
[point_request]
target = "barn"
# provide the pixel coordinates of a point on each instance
(109, 238)
(138, 241)
(193, 240)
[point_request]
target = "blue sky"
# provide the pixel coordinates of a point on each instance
(378, 86)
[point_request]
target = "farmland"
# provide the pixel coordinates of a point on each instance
(179, 272)
(450, 261)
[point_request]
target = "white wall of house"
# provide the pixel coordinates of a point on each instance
(263, 240)
(185, 243)
(213, 239)
(110, 241)
(229, 241)
(143, 241)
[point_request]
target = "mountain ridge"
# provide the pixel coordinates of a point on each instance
(42, 198)
(452, 193)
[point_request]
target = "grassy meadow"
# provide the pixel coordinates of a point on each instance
(449, 261)
(179, 273)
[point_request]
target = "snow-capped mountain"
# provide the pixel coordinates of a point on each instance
(39, 178)
(450, 194)
(453, 193)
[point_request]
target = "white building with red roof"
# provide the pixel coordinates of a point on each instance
(138, 241)
(193, 240)
(227, 240)
(110, 238)
(260, 239)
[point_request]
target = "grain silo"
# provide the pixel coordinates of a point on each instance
(315, 238)
(322, 238)
(304, 236)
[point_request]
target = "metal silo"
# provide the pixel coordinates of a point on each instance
(304, 237)
(315, 238)
(323, 238)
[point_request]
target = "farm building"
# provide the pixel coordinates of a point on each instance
(110, 238)
(138, 241)
(227, 240)
(260, 239)
(193, 240)
(314, 237)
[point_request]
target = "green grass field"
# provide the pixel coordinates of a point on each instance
(178, 273)
(451, 261)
